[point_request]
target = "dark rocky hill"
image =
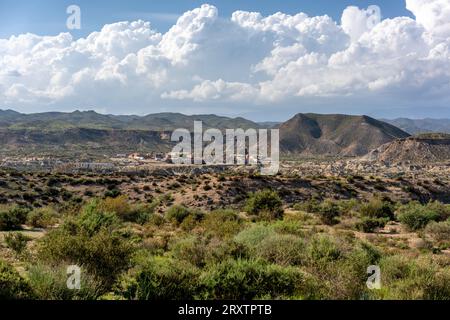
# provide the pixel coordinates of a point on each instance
(331, 135)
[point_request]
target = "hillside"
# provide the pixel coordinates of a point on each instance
(419, 149)
(79, 133)
(80, 142)
(92, 120)
(331, 135)
(415, 126)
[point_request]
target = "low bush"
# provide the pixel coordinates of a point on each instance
(346, 277)
(11, 218)
(254, 235)
(93, 218)
(407, 279)
(12, 285)
(161, 278)
(91, 242)
(112, 193)
(141, 213)
(50, 283)
(311, 206)
(118, 205)
(178, 213)
(250, 279)
(371, 224)
(322, 249)
(439, 232)
(42, 217)
(17, 242)
(294, 227)
(222, 223)
(191, 249)
(266, 204)
(376, 209)
(282, 249)
(328, 212)
(442, 210)
(416, 216)
(218, 251)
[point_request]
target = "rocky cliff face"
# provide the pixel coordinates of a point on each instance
(417, 149)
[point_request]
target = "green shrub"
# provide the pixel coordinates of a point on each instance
(191, 249)
(118, 205)
(371, 224)
(311, 206)
(266, 204)
(442, 210)
(178, 213)
(218, 251)
(222, 223)
(125, 211)
(377, 208)
(141, 214)
(439, 232)
(416, 216)
(282, 249)
(254, 235)
(346, 206)
(11, 218)
(41, 217)
(93, 218)
(103, 253)
(346, 278)
(250, 279)
(322, 249)
(17, 242)
(12, 285)
(406, 279)
(328, 212)
(50, 283)
(114, 193)
(156, 219)
(161, 279)
(293, 227)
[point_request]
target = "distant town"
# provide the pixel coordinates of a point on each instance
(117, 162)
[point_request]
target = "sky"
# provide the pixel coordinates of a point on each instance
(47, 17)
(262, 59)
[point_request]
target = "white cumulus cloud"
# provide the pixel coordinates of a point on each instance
(245, 61)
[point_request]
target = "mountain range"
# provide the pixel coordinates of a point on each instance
(48, 121)
(416, 126)
(82, 133)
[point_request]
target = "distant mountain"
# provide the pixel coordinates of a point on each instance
(335, 135)
(424, 148)
(92, 120)
(269, 124)
(80, 143)
(88, 132)
(415, 126)
(172, 121)
(91, 134)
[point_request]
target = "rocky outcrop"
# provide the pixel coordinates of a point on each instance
(418, 149)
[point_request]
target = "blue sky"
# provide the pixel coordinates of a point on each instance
(48, 17)
(257, 64)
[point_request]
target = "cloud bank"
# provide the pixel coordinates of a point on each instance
(244, 63)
